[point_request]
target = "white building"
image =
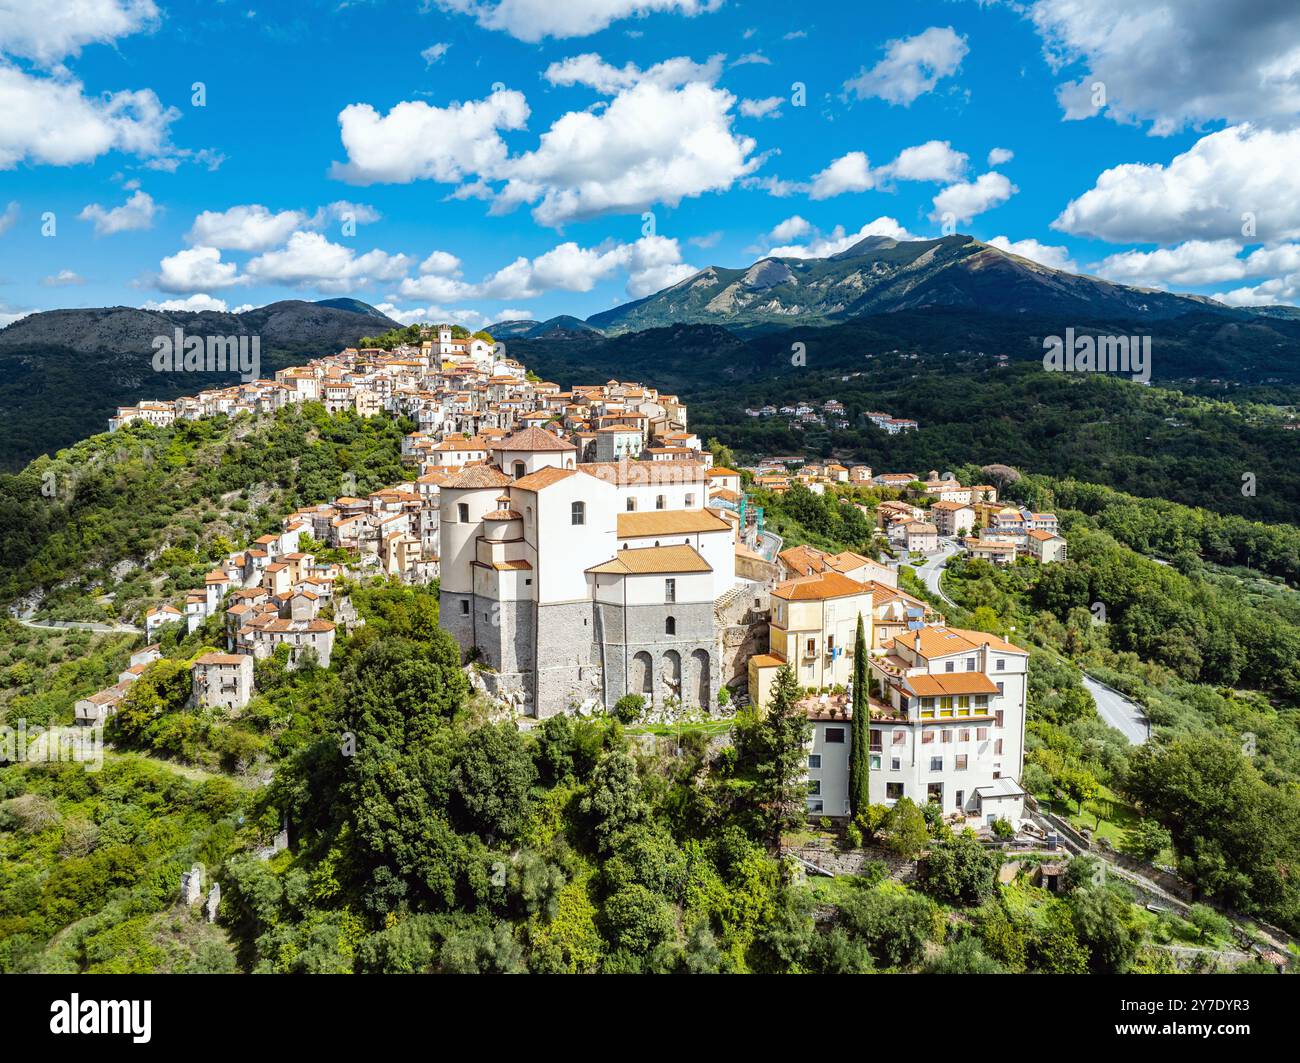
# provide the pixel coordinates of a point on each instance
(949, 729)
(222, 680)
(577, 583)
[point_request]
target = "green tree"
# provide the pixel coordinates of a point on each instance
(614, 801)
(961, 871)
(1146, 840)
(1208, 922)
(965, 956)
(860, 738)
(492, 777)
(904, 829)
(894, 924)
(629, 707)
(782, 764)
(1106, 925)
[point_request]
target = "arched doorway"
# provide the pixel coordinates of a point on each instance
(671, 671)
(700, 669)
(641, 681)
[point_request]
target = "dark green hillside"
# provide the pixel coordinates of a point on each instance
(1149, 441)
(143, 512)
(64, 372)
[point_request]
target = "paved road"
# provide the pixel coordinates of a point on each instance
(1118, 711)
(931, 569)
(64, 625)
(769, 545)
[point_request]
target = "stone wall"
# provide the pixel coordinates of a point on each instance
(568, 662)
(642, 658)
(756, 568)
(742, 619)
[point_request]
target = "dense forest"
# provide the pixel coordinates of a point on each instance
(119, 520)
(430, 833)
(429, 836)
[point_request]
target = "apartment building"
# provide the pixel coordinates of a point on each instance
(813, 629)
(222, 680)
(955, 726)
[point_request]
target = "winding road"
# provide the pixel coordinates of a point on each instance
(1118, 711)
(78, 625)
(931, 570)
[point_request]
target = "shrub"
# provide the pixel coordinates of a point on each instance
(629, 707)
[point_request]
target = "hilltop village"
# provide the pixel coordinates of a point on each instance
(588, 548)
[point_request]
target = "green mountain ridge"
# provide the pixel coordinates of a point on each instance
(881, 275)
(63, 372)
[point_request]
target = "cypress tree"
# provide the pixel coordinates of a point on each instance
(782, 768)
(860, 731)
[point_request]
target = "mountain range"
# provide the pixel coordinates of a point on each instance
(879, 275)
(63, 371)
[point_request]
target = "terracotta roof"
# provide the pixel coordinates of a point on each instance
(543, 478)
(983, 638)
(955, 683)
(652, 559)
(767, 660)
(669, 522)
(819, 587)
(476, 476)
(936, 641)
(645, 472)
(534, 439)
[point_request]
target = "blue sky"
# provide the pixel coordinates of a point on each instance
(474, 159)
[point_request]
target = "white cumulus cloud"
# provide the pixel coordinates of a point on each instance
(310, 260)
(912, 66)
(837, 240)
(968, 198)
(136, 213)
(767, 107)
(1175, 63)
(197, 301)
(532, 20)
(1053, 256)
(1210, 191)
(50, 30)
(591, 70)
(416, 140)
(848, 173)
(51, 121)
(196, 269)
(935, 160)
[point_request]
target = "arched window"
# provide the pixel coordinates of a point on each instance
(520, 470)
(670, 626)
(578, 513)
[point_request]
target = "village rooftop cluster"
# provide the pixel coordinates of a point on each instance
(587, 548)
